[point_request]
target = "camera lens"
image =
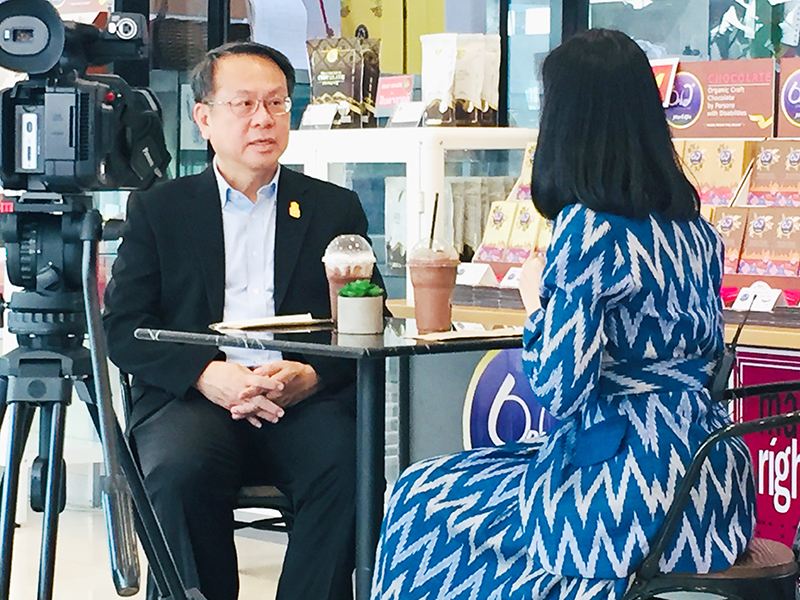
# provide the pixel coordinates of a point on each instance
(126, 28)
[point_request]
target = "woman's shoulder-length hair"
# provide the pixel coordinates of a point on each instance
(603, 137)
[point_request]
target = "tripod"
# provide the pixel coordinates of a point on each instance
(51, 242)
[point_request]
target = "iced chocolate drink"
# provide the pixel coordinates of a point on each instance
(433, 268)
(347, 258)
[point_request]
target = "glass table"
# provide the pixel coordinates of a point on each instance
(369, 352)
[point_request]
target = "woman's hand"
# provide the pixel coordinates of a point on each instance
(530, 280)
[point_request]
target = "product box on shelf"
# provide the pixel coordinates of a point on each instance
(716, 167)
(771, 243)
(731, 224)
(724, 98)
(757, 245)
(497, 232)
(785, 259)
(460, 78)
(775, 179)
(522, 188)
(524, 234)
(345, 72)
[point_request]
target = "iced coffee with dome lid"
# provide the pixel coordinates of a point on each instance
(347, 258)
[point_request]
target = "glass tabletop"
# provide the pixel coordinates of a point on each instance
(398, 339)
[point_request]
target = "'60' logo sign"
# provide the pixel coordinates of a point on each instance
(500, 406)
(686, 101)
(790, 98)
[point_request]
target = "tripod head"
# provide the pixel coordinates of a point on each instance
(44, 233)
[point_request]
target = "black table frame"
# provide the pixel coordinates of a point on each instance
(370, 413)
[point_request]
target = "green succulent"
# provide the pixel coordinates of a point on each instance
(360, 288)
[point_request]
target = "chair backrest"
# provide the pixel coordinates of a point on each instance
(649, 568)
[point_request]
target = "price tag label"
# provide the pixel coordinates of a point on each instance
(476, 274)
(408, 114)
(511, 279)
(318, 116)
(758, 298)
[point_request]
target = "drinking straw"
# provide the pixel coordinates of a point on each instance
(433, 220)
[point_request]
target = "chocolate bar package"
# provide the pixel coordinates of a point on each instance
(731, 224)
(759, 241)
(716, 167)
(772, 242)
(345, 72)
(776, 174)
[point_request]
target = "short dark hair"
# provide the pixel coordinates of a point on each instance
(603, 138)
(202, 76)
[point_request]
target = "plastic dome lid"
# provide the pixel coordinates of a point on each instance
(348, 249)
(435, 250)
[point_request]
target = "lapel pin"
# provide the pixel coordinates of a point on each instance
(294, 209)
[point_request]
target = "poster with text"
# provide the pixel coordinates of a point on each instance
(723, 98)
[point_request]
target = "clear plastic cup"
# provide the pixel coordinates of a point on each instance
(347, 258)
(433, 266)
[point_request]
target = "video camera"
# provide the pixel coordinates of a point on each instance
(66, 131)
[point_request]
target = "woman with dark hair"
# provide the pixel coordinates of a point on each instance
(623, 334)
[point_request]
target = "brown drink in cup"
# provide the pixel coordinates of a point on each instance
(433, 267)
(347, 258)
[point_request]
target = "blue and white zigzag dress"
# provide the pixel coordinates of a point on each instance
(621, 354)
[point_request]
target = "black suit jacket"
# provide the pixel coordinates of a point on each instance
(170, 274)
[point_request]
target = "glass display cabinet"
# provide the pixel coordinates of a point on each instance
(399, 173)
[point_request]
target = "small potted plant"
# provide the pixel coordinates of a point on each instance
(360, 308)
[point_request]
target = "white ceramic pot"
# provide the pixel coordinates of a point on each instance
(360, 315)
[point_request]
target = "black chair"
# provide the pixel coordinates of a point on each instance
(768, 570)
(250, 496)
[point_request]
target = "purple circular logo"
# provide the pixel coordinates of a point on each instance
(500, 406)
(725, 157)
(794, 158)
(790, 98)
(726, 223)
(498, 217)
(686, 101)
(696, 157)
(787, 225)
(524, 217)
(759, 224)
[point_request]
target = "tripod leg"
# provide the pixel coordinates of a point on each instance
(19, 425)
(162, 565)
(55, 414)
(3, 404)
(117, 502)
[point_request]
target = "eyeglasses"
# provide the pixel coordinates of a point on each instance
(247, 107)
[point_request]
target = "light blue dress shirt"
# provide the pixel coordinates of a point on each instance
(249, 231)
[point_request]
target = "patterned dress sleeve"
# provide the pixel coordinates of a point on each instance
(585, 274)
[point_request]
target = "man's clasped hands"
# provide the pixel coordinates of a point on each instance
(260, 393)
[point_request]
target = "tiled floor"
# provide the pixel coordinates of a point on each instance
(82, 560)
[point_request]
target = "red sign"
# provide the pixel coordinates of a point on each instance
(664, 71)
(394, 90)
(6, 206)
(776, 454)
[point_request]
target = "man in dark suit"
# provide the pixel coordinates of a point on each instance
(243, 239)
